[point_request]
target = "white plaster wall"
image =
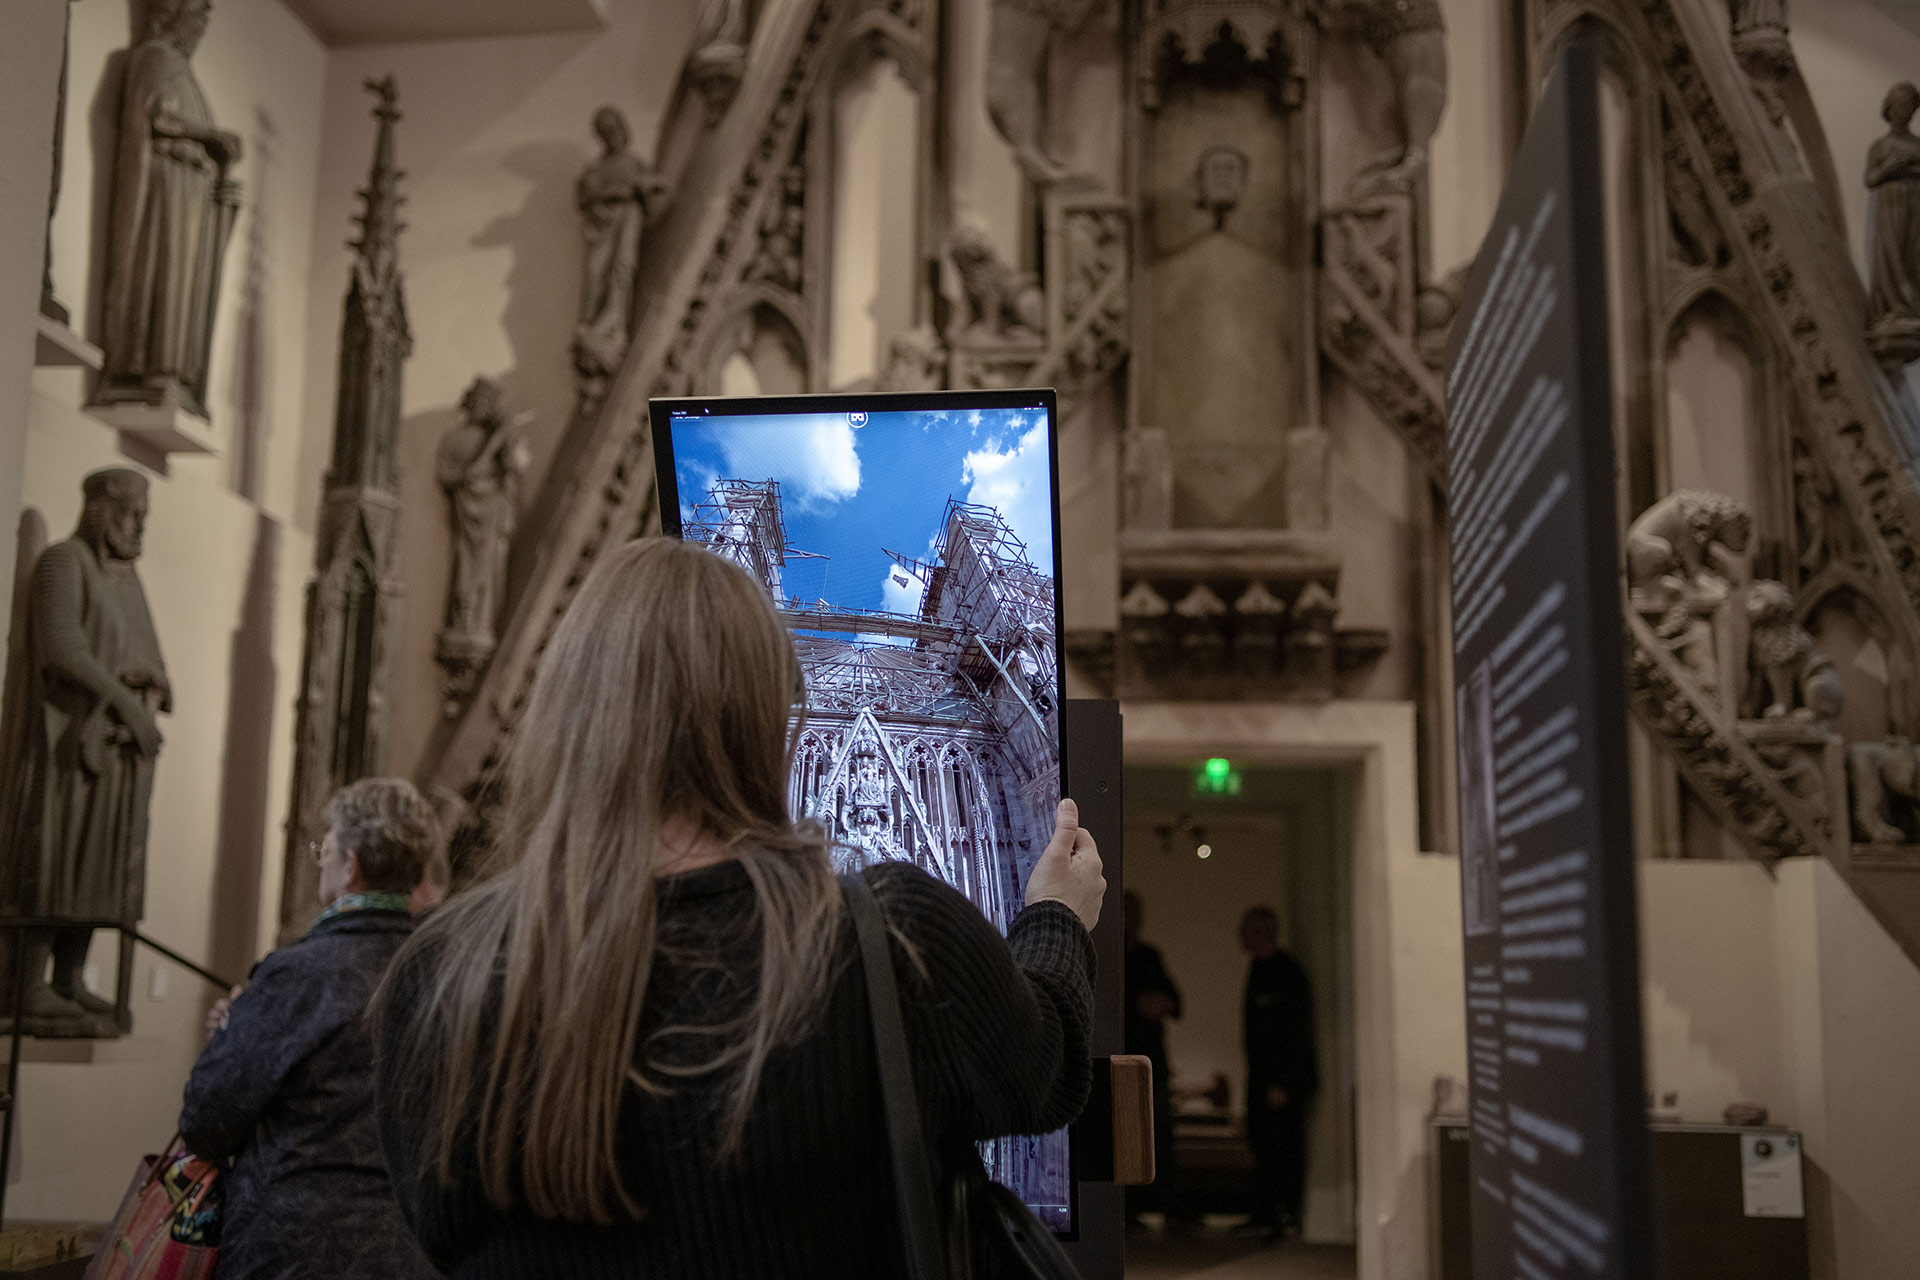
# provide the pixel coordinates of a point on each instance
(29, 70)
(1713, 1006)
(1850, 53)
(493, 135)
(1470, 150)
(83, 1125)
(1861, 1007)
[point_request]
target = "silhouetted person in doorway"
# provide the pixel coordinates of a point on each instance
(1151, 1000)
(1282, 1074)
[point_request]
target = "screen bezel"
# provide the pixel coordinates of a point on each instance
(661, 412)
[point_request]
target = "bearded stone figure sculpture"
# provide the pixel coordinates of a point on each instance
(80, 775)
(480, 464)
(173, 208)
(616, 194)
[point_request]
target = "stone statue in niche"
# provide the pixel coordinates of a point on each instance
(617, 194)
(1220, 181)
(783, 233)
(1793, 677)
(173, 209)
(480, 463)
(1411, 38)
(1681, 553)
(1003, 305)
(1893, 231)
(73, 816)
(1022, 38)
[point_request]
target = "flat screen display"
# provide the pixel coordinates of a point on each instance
(911, 544)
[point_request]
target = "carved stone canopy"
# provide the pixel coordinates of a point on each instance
(1208, 612)
(1200, 35)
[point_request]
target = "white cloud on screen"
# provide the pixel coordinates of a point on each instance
(900, 592)
(812, 455)
(1014, 481)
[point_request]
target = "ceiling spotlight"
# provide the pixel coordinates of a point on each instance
(1204, 851)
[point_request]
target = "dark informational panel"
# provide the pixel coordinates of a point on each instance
(1559, 1151)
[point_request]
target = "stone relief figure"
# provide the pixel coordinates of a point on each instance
(74, 820)
(1819, 519)
(719, 56)
(1884, 778)
(1893, 231)
(916, 361)
(1794, 678)
(1411, 38)
(1220, 180)
(480, 464)
(783, 232)
(617, 194)
(1680, 554)
(1761, 46)
(1022, 37)
(1686, 538)
(173, 208)
(1003, 305)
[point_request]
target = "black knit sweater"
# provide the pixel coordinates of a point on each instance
(998, 1033)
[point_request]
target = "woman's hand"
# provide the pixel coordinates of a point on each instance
(217, 1014)
(1069, 871)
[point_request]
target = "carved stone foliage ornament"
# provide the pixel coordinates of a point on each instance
(618, 194)
(780, 260)
(479, 466)
(73, 812)
(172, 211)
(1893, 232)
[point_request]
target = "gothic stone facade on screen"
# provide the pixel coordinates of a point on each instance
(1210, 224)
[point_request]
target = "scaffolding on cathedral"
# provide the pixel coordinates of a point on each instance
(931, 737)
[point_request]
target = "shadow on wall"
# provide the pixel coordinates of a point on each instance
(251, 361)
(32, 541)
(241, 847)
(414, 688)
(543, 299)
(103, 135)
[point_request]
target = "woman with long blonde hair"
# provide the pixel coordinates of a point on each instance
(640, 1048)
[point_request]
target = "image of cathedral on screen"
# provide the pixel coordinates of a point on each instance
(932, 717)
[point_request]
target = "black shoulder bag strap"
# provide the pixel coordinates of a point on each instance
(912, 1174)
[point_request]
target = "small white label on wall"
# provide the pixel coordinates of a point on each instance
(157, 982)
(1770, 1175)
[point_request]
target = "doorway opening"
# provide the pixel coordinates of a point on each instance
(1207, 839)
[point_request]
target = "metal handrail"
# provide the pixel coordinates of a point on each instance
(19, 927)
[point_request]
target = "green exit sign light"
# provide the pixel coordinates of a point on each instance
(1217, 777)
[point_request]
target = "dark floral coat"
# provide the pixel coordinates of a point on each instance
(283, 1096)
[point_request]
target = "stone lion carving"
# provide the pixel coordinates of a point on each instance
(1675, 538)
(1002, 303)
(1884, 776)
(1794, 678)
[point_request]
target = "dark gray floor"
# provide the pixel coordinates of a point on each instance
(1215, 1254)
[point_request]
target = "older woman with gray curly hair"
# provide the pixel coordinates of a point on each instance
(282, 1096)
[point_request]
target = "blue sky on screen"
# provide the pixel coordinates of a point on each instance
(851, 494)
